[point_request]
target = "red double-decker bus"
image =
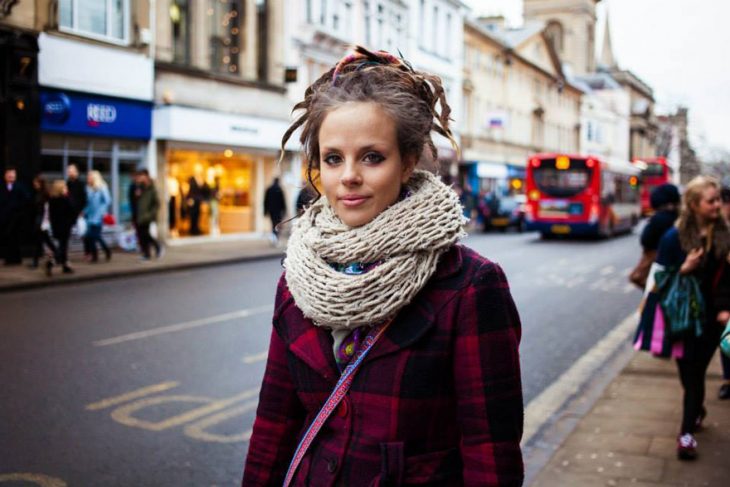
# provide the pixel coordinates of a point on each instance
(654, 172)
(581, 195)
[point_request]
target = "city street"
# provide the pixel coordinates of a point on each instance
(153, 380)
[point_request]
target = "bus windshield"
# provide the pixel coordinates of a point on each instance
(562, 182)
(653, 169)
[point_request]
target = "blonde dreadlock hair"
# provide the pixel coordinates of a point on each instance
(410, 97)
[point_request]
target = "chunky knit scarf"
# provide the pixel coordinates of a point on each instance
(407, 238)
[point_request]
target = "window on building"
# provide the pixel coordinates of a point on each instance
(262, 31)
(309, 11)
(225, 19)
(368, 26)
(435, 27)
(422, 23)
(447, 36)
(107, 19)
(381, 19)
(180, 20)
(589, 131)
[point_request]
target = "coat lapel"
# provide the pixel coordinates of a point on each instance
(417, 318)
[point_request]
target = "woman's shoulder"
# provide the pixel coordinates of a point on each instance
(467, 266)
(670, 237)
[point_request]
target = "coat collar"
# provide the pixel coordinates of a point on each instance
(313, 344)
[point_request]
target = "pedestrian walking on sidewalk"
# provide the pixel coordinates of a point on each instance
(148, 204)
(62, 213)
(724, 392)
(699, 245)
(98, 201)
(13, 202)
(275, 206)
(664, 201)
(41, 225)
(394, 351)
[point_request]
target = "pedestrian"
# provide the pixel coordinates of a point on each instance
(98, 201)
(76, 189)
(664, 201)
(407, 338)
(148, 204)
(305, 197)
(699, 245)
(62, 214)
(133, 192)
(275, 206)
(724, 392)
(13, 201)
(41, 231)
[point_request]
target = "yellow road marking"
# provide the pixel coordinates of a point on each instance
(187, 325)
(36, 478)
(197, 430)
(252, 359)
(145, 391)
(124, 416)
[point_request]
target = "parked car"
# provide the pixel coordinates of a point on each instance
(509, 214)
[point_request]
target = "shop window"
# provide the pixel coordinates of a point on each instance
(226, 18)
(210, 193)
(106, 19)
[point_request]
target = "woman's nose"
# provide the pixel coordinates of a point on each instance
(350, 174)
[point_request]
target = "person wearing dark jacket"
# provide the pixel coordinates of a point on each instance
(148, 204)
(77, 196)
(41, 224)
(699, 245)
(665, 202)
(724, 392)
(13, 207)
(275, 205)
(62, 215)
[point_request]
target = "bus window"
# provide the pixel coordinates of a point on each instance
(562, 182)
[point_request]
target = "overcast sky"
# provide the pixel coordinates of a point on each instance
(679, 47)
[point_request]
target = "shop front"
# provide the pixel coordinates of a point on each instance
(95, 132)
(214, 168)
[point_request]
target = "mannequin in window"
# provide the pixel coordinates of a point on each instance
(213, 183)
(197, 194)
(173, 196)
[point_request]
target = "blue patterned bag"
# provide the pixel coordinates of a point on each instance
(682, 303)
(725, 340)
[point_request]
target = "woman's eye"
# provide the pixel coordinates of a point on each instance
(373, 158)
(332, 159)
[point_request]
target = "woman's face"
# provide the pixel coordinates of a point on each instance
(708, 207)
(361, 169)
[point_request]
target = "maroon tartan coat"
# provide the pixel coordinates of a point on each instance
(438, 401)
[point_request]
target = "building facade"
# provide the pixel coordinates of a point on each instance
(220, 111)
(516, 102)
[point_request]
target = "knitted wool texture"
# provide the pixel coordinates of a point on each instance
(408, 237)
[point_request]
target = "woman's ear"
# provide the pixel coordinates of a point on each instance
(409, 165)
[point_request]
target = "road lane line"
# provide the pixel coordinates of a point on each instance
(543, 407)
(252, 359)
(123, 414)
(198, 431)
(186, 325)
(145, 391)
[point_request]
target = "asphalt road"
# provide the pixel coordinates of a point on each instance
(153, 380)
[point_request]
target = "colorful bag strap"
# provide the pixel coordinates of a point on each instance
(338, 393)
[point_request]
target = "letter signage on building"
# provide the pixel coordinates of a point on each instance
(85, 114)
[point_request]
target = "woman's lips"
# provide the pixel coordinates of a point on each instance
(353, 201)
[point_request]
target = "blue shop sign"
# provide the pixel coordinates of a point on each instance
(82, 114)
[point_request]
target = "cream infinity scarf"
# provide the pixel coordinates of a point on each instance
(407, 237)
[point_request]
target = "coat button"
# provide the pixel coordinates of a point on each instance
(342, 409)
(332, 465)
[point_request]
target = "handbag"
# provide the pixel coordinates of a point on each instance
(682, 304)
(338, 393)
(725, 340)
(109, 219)
(651, 335)
(640, 273)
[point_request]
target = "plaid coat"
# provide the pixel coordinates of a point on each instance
(438, 401)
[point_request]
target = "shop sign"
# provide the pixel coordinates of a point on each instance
(490, 170)
(82, 114)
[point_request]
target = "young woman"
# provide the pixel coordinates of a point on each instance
(63, 215)
(394, 352)
(41, 224)
(97, 205)
(699, 245)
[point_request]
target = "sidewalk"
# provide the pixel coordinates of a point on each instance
(628, 438)
(184, 256)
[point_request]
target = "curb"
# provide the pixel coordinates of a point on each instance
(76, 279)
